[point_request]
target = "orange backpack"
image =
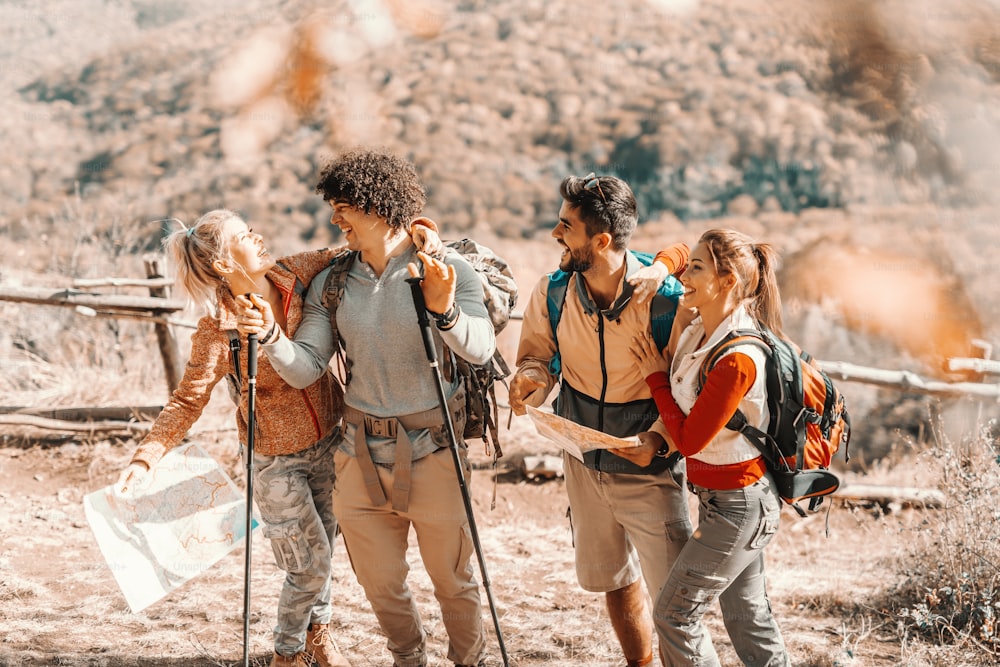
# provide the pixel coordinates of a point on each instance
(808, 417)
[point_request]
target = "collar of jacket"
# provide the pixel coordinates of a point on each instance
(740, 318)
(282, 277)
(611, 314)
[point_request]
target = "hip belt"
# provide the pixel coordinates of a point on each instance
(396, 428)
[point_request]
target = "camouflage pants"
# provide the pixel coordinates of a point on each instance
(293, 493)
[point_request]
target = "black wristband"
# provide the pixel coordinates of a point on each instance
(270, 334)
(447, 319)
(664, 450)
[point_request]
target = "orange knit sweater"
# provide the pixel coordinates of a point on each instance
(288, 420)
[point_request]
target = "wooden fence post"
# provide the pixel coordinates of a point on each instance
(172, 366)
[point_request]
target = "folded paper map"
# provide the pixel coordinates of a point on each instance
(575, 438)
(184, 516)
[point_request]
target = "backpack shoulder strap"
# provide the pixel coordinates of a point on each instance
(333, 293)
(733, 338)
(554, 301)
(663, 305)
(661, 318)
(738, 422)
(234, 355)
(645, 258)
(333, 288)
(234, 378)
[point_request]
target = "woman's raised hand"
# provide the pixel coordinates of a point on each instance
(425, 238)
(253, 314)
(647, 280)
(649, 359)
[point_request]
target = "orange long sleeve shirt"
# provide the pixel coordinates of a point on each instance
(726, 385)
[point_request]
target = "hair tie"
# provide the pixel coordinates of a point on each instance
(190, 231)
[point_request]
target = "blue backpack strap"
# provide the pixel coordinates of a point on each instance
(662, 308)
(555, 298)
(663, 305)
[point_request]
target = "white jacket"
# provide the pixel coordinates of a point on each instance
(727, 447)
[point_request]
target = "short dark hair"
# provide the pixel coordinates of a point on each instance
(374, 181)
(607, 206)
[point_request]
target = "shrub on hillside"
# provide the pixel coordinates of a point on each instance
(951, 593)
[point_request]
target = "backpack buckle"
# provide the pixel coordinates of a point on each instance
(381, 427)
(809, 415)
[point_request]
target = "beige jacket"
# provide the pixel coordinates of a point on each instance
(601, 386)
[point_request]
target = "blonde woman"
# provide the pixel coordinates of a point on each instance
(217, 258)
(731, 284)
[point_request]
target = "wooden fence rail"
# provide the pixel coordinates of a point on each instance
(156, 307)
(72, 297)
(908, 381)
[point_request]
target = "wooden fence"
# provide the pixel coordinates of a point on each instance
(158, 309)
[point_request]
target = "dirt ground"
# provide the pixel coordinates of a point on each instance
(59, 604)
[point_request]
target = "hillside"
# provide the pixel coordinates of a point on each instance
(165, 109)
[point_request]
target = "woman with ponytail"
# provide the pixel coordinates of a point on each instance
(216, 259)
(731, 284)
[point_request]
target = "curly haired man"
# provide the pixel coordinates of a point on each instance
(393, 467)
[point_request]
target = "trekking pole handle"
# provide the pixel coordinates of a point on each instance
(424, 320)
(252, 357)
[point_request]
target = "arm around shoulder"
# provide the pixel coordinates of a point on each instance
(303, 360)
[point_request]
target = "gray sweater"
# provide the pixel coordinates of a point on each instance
(390, 372)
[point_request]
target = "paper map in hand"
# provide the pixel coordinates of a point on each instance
(575, 438)
(184, 517)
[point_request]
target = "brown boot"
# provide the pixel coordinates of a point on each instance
(300, 659)
(320, 644)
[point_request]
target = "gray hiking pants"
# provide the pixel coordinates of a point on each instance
(294, 495)
(723, 560)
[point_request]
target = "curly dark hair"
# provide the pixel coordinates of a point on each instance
(374, 181)
(608, 205)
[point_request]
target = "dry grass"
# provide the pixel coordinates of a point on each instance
(950, 591)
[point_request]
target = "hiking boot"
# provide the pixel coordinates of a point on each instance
(320, 644)
(300, 659)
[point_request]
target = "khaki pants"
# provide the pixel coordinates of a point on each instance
(376, 540)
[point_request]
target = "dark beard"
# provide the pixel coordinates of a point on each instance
(578, 261)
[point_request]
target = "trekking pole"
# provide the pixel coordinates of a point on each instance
(251, 426)
(431, 350)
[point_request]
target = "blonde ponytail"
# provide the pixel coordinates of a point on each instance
(193, 250)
